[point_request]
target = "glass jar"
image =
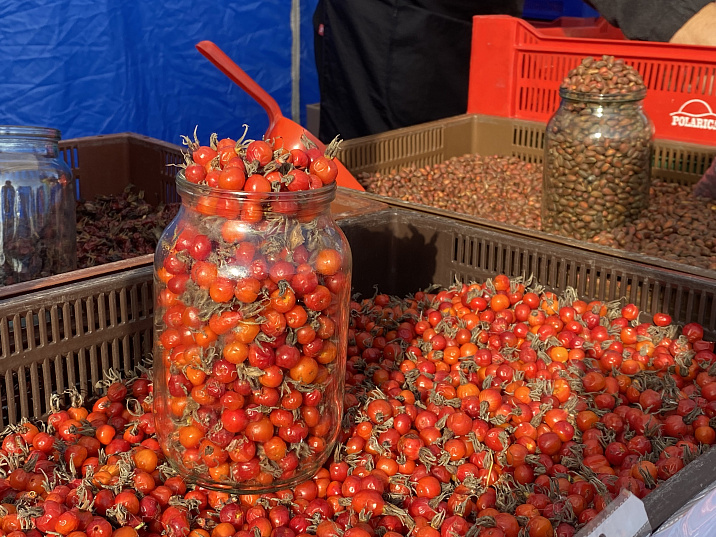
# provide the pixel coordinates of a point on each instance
(38, 227)
(597, 163)
(251, 324)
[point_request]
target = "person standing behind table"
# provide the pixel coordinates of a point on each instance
(386, 64)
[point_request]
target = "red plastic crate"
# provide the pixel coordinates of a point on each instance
(516, 70)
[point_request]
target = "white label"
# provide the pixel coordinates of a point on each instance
(694, 114)
(625, 516)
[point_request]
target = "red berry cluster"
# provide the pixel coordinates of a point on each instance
(259, 165)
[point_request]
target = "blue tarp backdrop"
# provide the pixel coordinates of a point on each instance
(93, 67)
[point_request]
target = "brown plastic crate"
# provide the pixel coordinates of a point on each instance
(435, 142)
(403, 250)
(107, 164)
(53, 339)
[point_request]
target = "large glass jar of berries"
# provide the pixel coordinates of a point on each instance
(252, 288)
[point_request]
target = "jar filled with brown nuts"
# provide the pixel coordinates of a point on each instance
(598, 150)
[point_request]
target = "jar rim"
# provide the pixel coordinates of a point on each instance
(30, 131)
(318, 195)
(637, 95)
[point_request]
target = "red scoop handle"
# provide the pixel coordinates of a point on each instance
(236, 74)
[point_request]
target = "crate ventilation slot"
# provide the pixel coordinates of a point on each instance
(528, 137)
(672, 159)
(390, 154)
(678, 78)
(47, 349)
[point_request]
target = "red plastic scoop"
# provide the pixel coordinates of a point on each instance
(279, 125)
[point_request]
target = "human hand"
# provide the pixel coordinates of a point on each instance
(707, 184)
(699, 29)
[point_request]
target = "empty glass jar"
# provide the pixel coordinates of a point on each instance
(37, 206)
